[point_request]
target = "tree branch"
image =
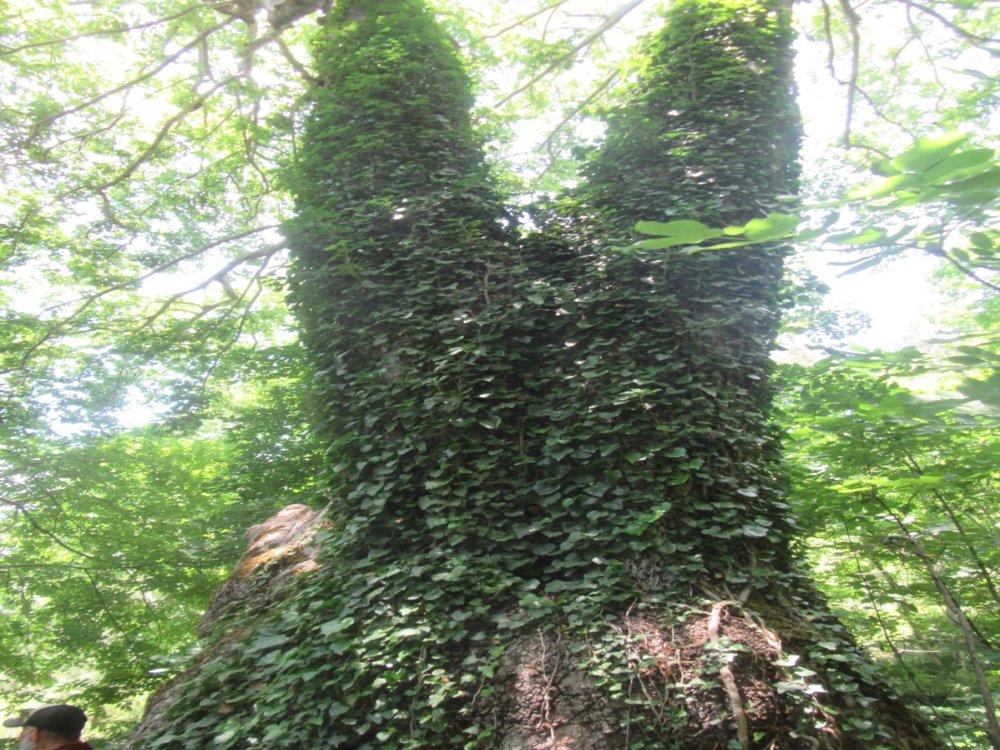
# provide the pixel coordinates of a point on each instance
(954, 27)
(937, 251)
(164, 132)
(45, 532)
(129, 84)
(53, 330)
(102, 32)
(524, 19)
(299, 67)
(853, 22)
(218, 276)
(570, 56)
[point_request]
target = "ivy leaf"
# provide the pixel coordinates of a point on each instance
(754, 530)
(264, 642)
(336, 626)
(789, 687)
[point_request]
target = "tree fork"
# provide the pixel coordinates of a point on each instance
(551, 456)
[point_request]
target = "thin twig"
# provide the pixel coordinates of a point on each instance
(101, 32)
(139, 79)
(957, 29)
(164, 132)
(570, 56)
(524, 19)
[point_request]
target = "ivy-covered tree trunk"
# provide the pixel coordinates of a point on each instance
(559, 518)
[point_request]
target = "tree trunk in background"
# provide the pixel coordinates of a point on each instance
(559, 519)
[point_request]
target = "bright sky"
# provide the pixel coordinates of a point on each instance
(899, 298)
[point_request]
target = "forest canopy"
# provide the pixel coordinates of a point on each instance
(155, 399)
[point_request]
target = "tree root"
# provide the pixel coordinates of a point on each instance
(729, 681)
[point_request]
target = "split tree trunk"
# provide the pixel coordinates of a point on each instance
(559, 518)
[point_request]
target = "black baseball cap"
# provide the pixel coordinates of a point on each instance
(62, 720)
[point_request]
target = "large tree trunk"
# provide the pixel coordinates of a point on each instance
(559, 518)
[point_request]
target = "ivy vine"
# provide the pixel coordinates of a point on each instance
(550, 450)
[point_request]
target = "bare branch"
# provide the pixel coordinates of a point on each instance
(108, 610)
(58, 325)
(102, 32)
(828, 37)
(248, 306)
(298, 66)
(218, 276)
(962, 267)
(549, 143)
(192, 45)
(525, 19)
(570, 56)
(601, 88)
(164, 132)
(968, 36)
(931, 61)
(854, 90)
(51, 535)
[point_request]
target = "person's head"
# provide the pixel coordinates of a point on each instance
(49, 727)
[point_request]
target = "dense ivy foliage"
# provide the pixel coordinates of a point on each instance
(549, 453)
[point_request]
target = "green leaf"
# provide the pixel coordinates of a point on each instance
(883, 187)
(982, 242)
(988, 181)
(884, 168)
(336, 626)
(490, 423)
(926, 152)
(435, 700)
(679, 228)
(789, 687)
(958, 163)
(774, 226)
(867, 236)
(264, 642)
(545, 487)
(680, 232)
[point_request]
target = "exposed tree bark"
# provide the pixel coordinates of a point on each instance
(559, 518)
